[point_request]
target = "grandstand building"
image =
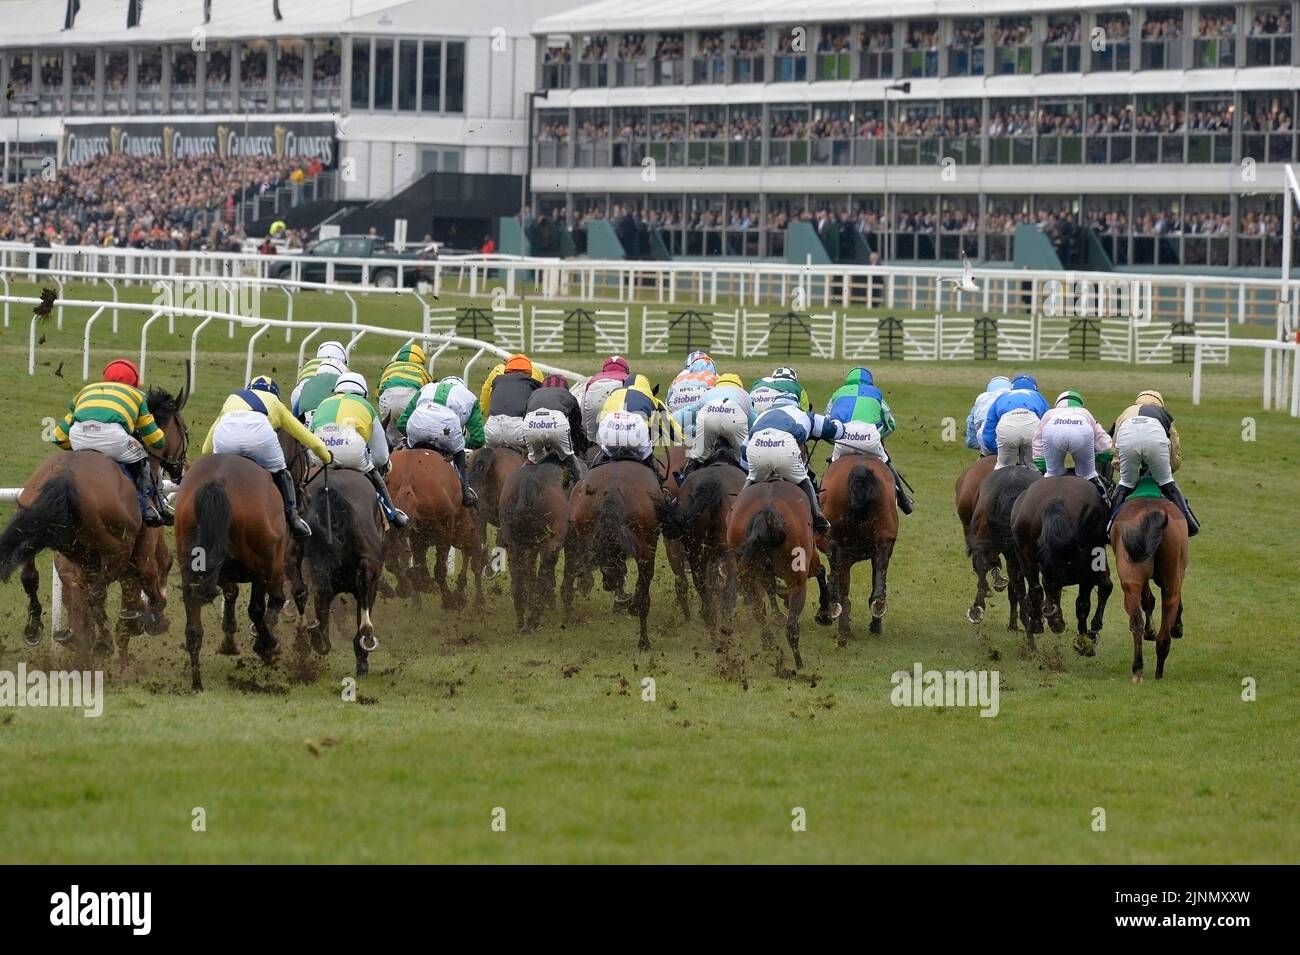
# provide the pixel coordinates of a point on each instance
(1082, 134)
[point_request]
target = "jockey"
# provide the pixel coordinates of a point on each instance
(721, 416)
(613, 375)
(783, 380)
(1011, 421)
(631, 422)
(699, 375)
(446, 417)
(332, 350)
(638, 395)
(553, 425)
(113, 418)
(979, 411)
(861, 407)
(399, 382)
(348, 424)
(246, 425)
(1069, 428)
(775, 447)
(499, 369)
(317, 388)
(1145, 436)
(508, 395)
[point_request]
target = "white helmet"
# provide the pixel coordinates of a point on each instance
(331, 366)
(351, 383)
(333, 350)
(453, 380)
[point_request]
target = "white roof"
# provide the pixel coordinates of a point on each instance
(634, 16)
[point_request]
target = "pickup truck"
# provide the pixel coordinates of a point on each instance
(312, 263)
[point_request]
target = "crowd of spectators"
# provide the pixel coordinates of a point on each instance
(1163, 25)
(1271, 22)
(1062, 30)
(1217, 23)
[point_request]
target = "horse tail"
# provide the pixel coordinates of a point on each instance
(616, 539)
(1056, 536)
(523, 523)
(51, 521)
(480, 468)
(864, 492)
(706, 497)
(765, 533)
(330, 517)
(212, 535)
(1143, 541)
(1003, 501)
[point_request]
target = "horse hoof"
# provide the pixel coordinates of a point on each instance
(32, 636)
(228, 648)
(975, 614)
(999, 582)
(1084, 647)
(1058, 626)
(876, 626)
(363, 668)
(1137, 677)
(368, 642)
(62, 637)
(643, 643)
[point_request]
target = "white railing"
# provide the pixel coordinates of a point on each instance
(1275, 385)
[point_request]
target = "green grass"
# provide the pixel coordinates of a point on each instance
(464, 715)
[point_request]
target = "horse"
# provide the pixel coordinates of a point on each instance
(673, 459)
(343, 555)
(967, 490)
(230, 529)
(425, 485)
(614, 515)
(534, 511)
(82, 505)
(989, 538)
(489, 467)
(1149, 537)
(859, 500)
(770, 531)
(1059, 525)
(696, 527)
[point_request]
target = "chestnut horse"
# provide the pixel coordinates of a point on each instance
(696, 527)
(534, 512)
(968, 487)
(770, 531)
(424, 484)
(1149, 537)
(989, 538)
(859, 500)
(614, 516)
(1059, 525)
(82, 505)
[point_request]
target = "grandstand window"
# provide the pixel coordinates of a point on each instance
(1267, 126)
(867, 228)
(289, 66)
(593, 60)
(1216, 37)
(1062, 46)
(921, 48)
(1157, 229)
(408, 58)
(326, 73)
(998, 225)
(709, 64)
(630, 136)
(1158, 126)
(745, 134)
(781, 211)
(556, 64)
(83, 81)
(868, 134)
(253, 58)
(670, 65)
(552, 137)
(876, 51)
(117, 81)
(1109, 130)
(834, 52)
(958, 227)
(148, 80)
(1013, 42)
(962, 131)
(1209, 128)
(668, 136)
(360, 97)
(1207, 230)
(1268, 42)
(1057, 217)
(1111, 48)
(217, 88)
(383, 74)
(790, 54)
(1259, 232)
(1060, 132)
(704, 219)
(707, 141)
(630, 60)
(915, 225)
(748, 50)
(830, 134)
(20, 72)
(431, 76)
(664, 216)
(741, 230)
(51, 75)
(966, 47)
(1011, 132)
(788, 132)
(591, 138)
(1162, 38)
(1107, 218)
(455, 77)
(916, 133)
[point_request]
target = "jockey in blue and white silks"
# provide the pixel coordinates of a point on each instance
(722, 415)
(1011, 422)
(979, 412)
(775, 448)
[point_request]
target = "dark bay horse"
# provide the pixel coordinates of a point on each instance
(1149, 537)
(967, 490)
(230, 530)
(673, 458)
(696, 526)
(770, 531)
(534, 511)
(82, 505)
(989, 538)
(488, 470)
(1059, 525)
(344, 555)
(424, 484)
(858, 498)
(614, 516)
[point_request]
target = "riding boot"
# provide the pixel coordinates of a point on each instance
(395, 516)
(289, 494)
(904, 501)
(1117, 500)
(164, 511)
(577, 470)
(819, 522)
(140, 476)
(1100, 485)
(468, 496)
(1175, 494)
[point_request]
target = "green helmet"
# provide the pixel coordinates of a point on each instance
(1072, 399)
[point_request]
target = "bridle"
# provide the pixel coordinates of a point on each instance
(174, 465)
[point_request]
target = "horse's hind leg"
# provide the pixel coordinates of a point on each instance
(229, 597)
(194, 632)
(365, 626)
(544, 587)
(1170, 607)
(130, 618)
(1149, 609)
(520, 572)
(265, 644)
(1052, 606)
(645, 570)
(1136, 622)
(1104, 587)
(840, 576)
(879, 574)
(97, 600)
(31, 578)
(681, 586)
(979, 561)
(795, 597)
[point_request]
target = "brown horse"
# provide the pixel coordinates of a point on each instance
(1059, 525)
(673, 457)
(343, 555)
(534, 512)
(989, 539)
(968, 486)
(1149, 537)
(770, 531)
(614, 515)
(424, 484)
(83, 506)
(858, 499)
(488, 470)
(696, 527)
(230, 530)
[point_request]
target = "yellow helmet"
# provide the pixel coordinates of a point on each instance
(1150, 398)
(412, 353)
(729, 379)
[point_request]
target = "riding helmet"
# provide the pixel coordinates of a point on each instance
(263, 383)
(122, 371)
(351, 383)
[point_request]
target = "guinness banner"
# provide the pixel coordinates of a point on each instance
(186, 140)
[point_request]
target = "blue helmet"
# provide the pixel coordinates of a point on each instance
(998, 383)
(1027, 382)
(695, 356)
(859, 376)
(263, 383)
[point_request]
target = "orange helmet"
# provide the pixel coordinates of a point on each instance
(123, 371)
(519, 363)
